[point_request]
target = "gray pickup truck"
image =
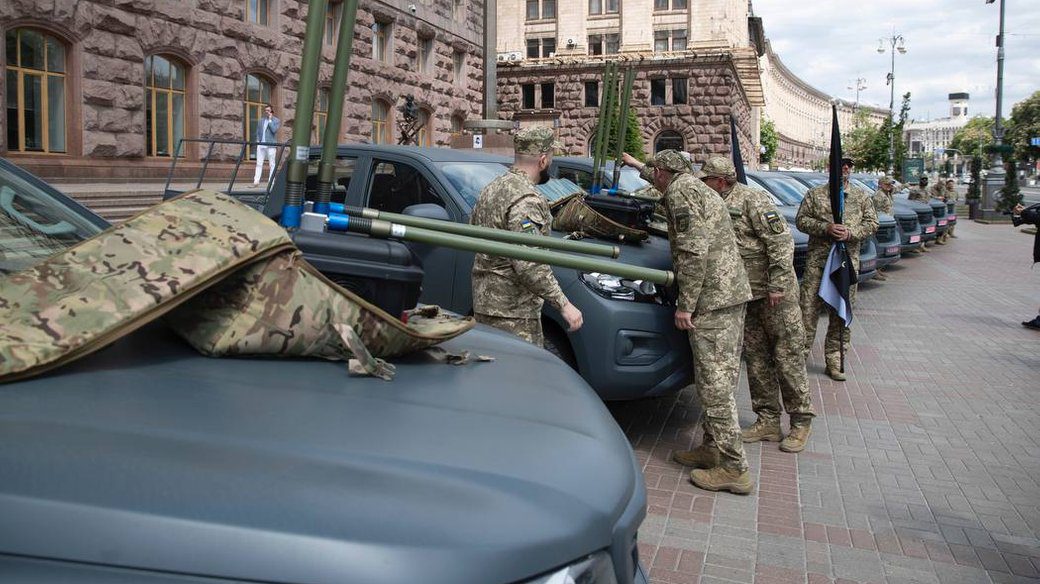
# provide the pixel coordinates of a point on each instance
(149, 463)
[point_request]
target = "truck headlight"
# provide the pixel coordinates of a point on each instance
(595, 569)
(617, 288)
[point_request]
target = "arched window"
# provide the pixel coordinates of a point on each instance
(321, 115)
(258, 95)
(425, 135)
(35, 91)
(669, 140)
(164, 80)
(381, 122)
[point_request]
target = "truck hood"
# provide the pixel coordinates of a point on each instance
(149, 456)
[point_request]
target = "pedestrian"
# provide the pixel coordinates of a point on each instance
(508, 294)
(266, 131)
(1029, 216)
(882, 201)
(939, 192)
(920, 192)
(815, 218)
(713, 289)
(951, 196)
(774, 335)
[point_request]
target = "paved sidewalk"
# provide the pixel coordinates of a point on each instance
(923, 467)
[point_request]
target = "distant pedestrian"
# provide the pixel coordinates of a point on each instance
(266, 131)
(1029, 216)
(952, 196)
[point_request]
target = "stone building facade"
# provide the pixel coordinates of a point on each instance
(930, 138)
(696, 65)
(102, 114)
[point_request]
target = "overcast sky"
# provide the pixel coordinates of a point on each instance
(950, 48)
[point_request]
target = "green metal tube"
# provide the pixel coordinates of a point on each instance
(531, 254)
(626, 97)
(333, 125)
(604, 148)
(597, 151)
(583, 247)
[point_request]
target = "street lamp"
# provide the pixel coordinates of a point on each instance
(995, 178)
(859, 85)
(896, 43)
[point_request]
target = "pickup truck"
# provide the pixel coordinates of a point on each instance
(147, 462)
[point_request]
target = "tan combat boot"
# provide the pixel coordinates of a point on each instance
(763, 430)
(879, 275)
(834, 370)
(723, 479)
(701, 457)
(796, 439)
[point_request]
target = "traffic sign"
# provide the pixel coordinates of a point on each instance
(1034, 141)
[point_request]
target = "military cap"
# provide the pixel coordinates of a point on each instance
(846, 161)
(885, 180)
(718, 166)
(671, 160)
(535, 140)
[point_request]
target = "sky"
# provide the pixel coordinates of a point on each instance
(951, 47)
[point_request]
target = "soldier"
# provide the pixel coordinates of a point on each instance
(920, 192)
(882, 201)
(774, 335)
(815, 218)
(951, 196)
(508, 294)
(713, 288)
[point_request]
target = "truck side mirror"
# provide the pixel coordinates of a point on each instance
(427, 211)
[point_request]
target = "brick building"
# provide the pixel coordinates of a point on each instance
(104, 89)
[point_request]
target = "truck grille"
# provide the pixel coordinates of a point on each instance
(939, 212)
(925, 217)
(886, 233)
(908, 225)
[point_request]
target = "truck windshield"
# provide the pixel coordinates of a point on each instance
(469, 178)
(788, 190)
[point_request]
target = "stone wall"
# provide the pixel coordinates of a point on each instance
(107, 42)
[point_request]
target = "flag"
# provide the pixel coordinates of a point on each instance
(839, 274)
(738, 161)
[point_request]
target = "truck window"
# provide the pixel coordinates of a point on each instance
(579, 177)
(396, 185)
(342, 171)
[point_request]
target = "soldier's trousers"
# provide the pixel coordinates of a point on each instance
(528, 329)
(716, 342)
(774, 350)
(812, 304)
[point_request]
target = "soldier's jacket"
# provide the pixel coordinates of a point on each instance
(507, 287)
(952, 195)
(938, 191)
(918, 194)
(764, 240)
(814, 215)
(704, 248)
(882, 201)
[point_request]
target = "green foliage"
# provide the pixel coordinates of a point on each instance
(634, 144)
(863, 143)
(769, 138)
(975, 188)
(975, 137)
(901, 147)
(1010, 195)
(1023, 125)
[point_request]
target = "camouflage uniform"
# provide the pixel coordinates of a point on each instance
(919, 193)
(508, 294)
(882, 201)
(952, 196)
(713, 286)
(814, 216)
(774, 337)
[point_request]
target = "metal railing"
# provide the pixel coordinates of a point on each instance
(254, 198)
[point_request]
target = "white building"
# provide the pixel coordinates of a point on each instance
(927, 138)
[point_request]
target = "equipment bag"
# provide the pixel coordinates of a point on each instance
(572, 214)
(632, 213)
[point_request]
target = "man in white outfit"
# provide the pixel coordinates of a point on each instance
(266, 131)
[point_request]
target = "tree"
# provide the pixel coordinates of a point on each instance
(901, 147)
(1023, 125)
(975, 188)
(975, 137)
(1010, 195)
(861, 141)
(633, 135)
(770, 139)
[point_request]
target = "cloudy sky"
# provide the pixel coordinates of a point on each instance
(950, 48)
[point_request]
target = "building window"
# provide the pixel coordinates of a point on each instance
(527, 90)
(332, 17)
(674, 40)
(35, 91)
(679, 40)
(603, 7)
(604, 44)
(382, 32)
(458, 10)
(381, 122)
(544, 48)
(256, 11)
(258, 96)
(425, 54)
(425, 135)
(592, 94)
(321, 115)
(661, 5)
(456, 125)
(458, 62)
(164, 105)
(541, 9)
(657, 91)
(679, 85)
(669, 140)
(548, 95)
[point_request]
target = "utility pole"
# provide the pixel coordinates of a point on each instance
(995, 178)
(896, 43)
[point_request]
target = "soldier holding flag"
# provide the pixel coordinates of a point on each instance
(837, 217)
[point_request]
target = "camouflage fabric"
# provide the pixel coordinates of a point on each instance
(672, 161)
(814, 216)
(719, 166)
(774, 350)
(528, 329)
(506, 287)
(763, 238)
(938, 191)
(88, 296)
(919, 194)
(952, 194)
(707, 262)
(882, 201)
(715, 341)
(572, 214)
(535, 140)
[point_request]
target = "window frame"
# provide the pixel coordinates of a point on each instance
(382, 41)
(424, 54)
(250, 132)
(551, 86)
(594, 101)
(333, 20)
(458, 66)
(321, 113)
(152, 96)
(45, 76)
(255, 16)
(525, 103)
(424, 136)
(381, 128)
(542, 10)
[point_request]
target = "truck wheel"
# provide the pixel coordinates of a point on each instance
(556, 342)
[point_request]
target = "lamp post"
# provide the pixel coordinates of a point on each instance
(896, 43)
(859, 85)
(995, 179)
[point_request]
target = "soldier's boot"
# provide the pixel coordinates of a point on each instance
(723, 479)
(941, 240)
(879, 275)
(924, 248)
(796, 439)
(703, 456)
(834, 370)
(763, 430)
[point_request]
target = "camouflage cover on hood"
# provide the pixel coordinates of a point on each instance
(92, 294)
(572, 214)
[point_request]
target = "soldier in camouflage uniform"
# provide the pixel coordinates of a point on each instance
(920, 192)
(815, 218)
(938, 191)
(774, 337)
(955, 197)
(508, 294)
(713, 289)
(882, 201)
